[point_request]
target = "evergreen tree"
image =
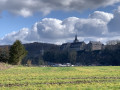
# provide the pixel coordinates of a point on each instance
(17, 53)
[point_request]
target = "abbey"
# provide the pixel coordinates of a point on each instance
(76, 45)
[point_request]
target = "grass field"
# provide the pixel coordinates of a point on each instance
(61, 78)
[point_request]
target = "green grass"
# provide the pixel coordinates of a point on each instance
(61, 78)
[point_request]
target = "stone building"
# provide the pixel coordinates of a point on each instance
(94, 45)
(79, 46)
(74, 46)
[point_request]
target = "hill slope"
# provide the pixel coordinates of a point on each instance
(35, 49)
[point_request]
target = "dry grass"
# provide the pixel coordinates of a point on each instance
(4, 66)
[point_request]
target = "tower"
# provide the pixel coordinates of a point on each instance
(76, 40)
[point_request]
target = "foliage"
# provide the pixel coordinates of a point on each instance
(73, 57)
(108, 56)
(17, 53)
(4, 54)
(56, 56)
(35, 49)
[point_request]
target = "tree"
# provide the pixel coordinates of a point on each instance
(113, 42)
(72, 57)
(4, 54)
(17, 53)
(49, 56)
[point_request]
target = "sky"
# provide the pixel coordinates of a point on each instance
(58, 21)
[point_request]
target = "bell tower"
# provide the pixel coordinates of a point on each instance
(76, 40)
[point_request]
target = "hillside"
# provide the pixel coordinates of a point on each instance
(35, 49)
(44, 53)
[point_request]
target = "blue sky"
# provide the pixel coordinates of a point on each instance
(13, 19)
(9, 22)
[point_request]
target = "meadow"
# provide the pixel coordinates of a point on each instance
(61, 78)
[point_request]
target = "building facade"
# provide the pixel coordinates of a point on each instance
(79, 46)
(93, 45)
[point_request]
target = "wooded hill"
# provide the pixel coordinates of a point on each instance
(44, 53)
(35, 51)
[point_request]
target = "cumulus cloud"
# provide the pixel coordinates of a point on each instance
(11, 37)
(106, 17)
(29, 7)
(99, 26)
(33, 35)
(114, 24)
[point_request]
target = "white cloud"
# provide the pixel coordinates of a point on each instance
(51, 28)
(101, 15)
(114, 24)
(99, 26)
(29, 7)
(11, 37)
(23, 12)
(91, 27)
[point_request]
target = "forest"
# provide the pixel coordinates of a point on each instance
(109, 56)
(47, 54)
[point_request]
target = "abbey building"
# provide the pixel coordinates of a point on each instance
(76, 45)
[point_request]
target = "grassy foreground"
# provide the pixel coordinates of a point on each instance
(61, 78)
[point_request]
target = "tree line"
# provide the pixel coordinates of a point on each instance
(14, 55)
(108, 56)
(17, 54)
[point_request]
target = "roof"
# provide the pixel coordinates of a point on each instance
(95, 42)
(66, 43)
(77, 43)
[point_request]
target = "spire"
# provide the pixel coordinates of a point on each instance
(76, 40)
(76, 37)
